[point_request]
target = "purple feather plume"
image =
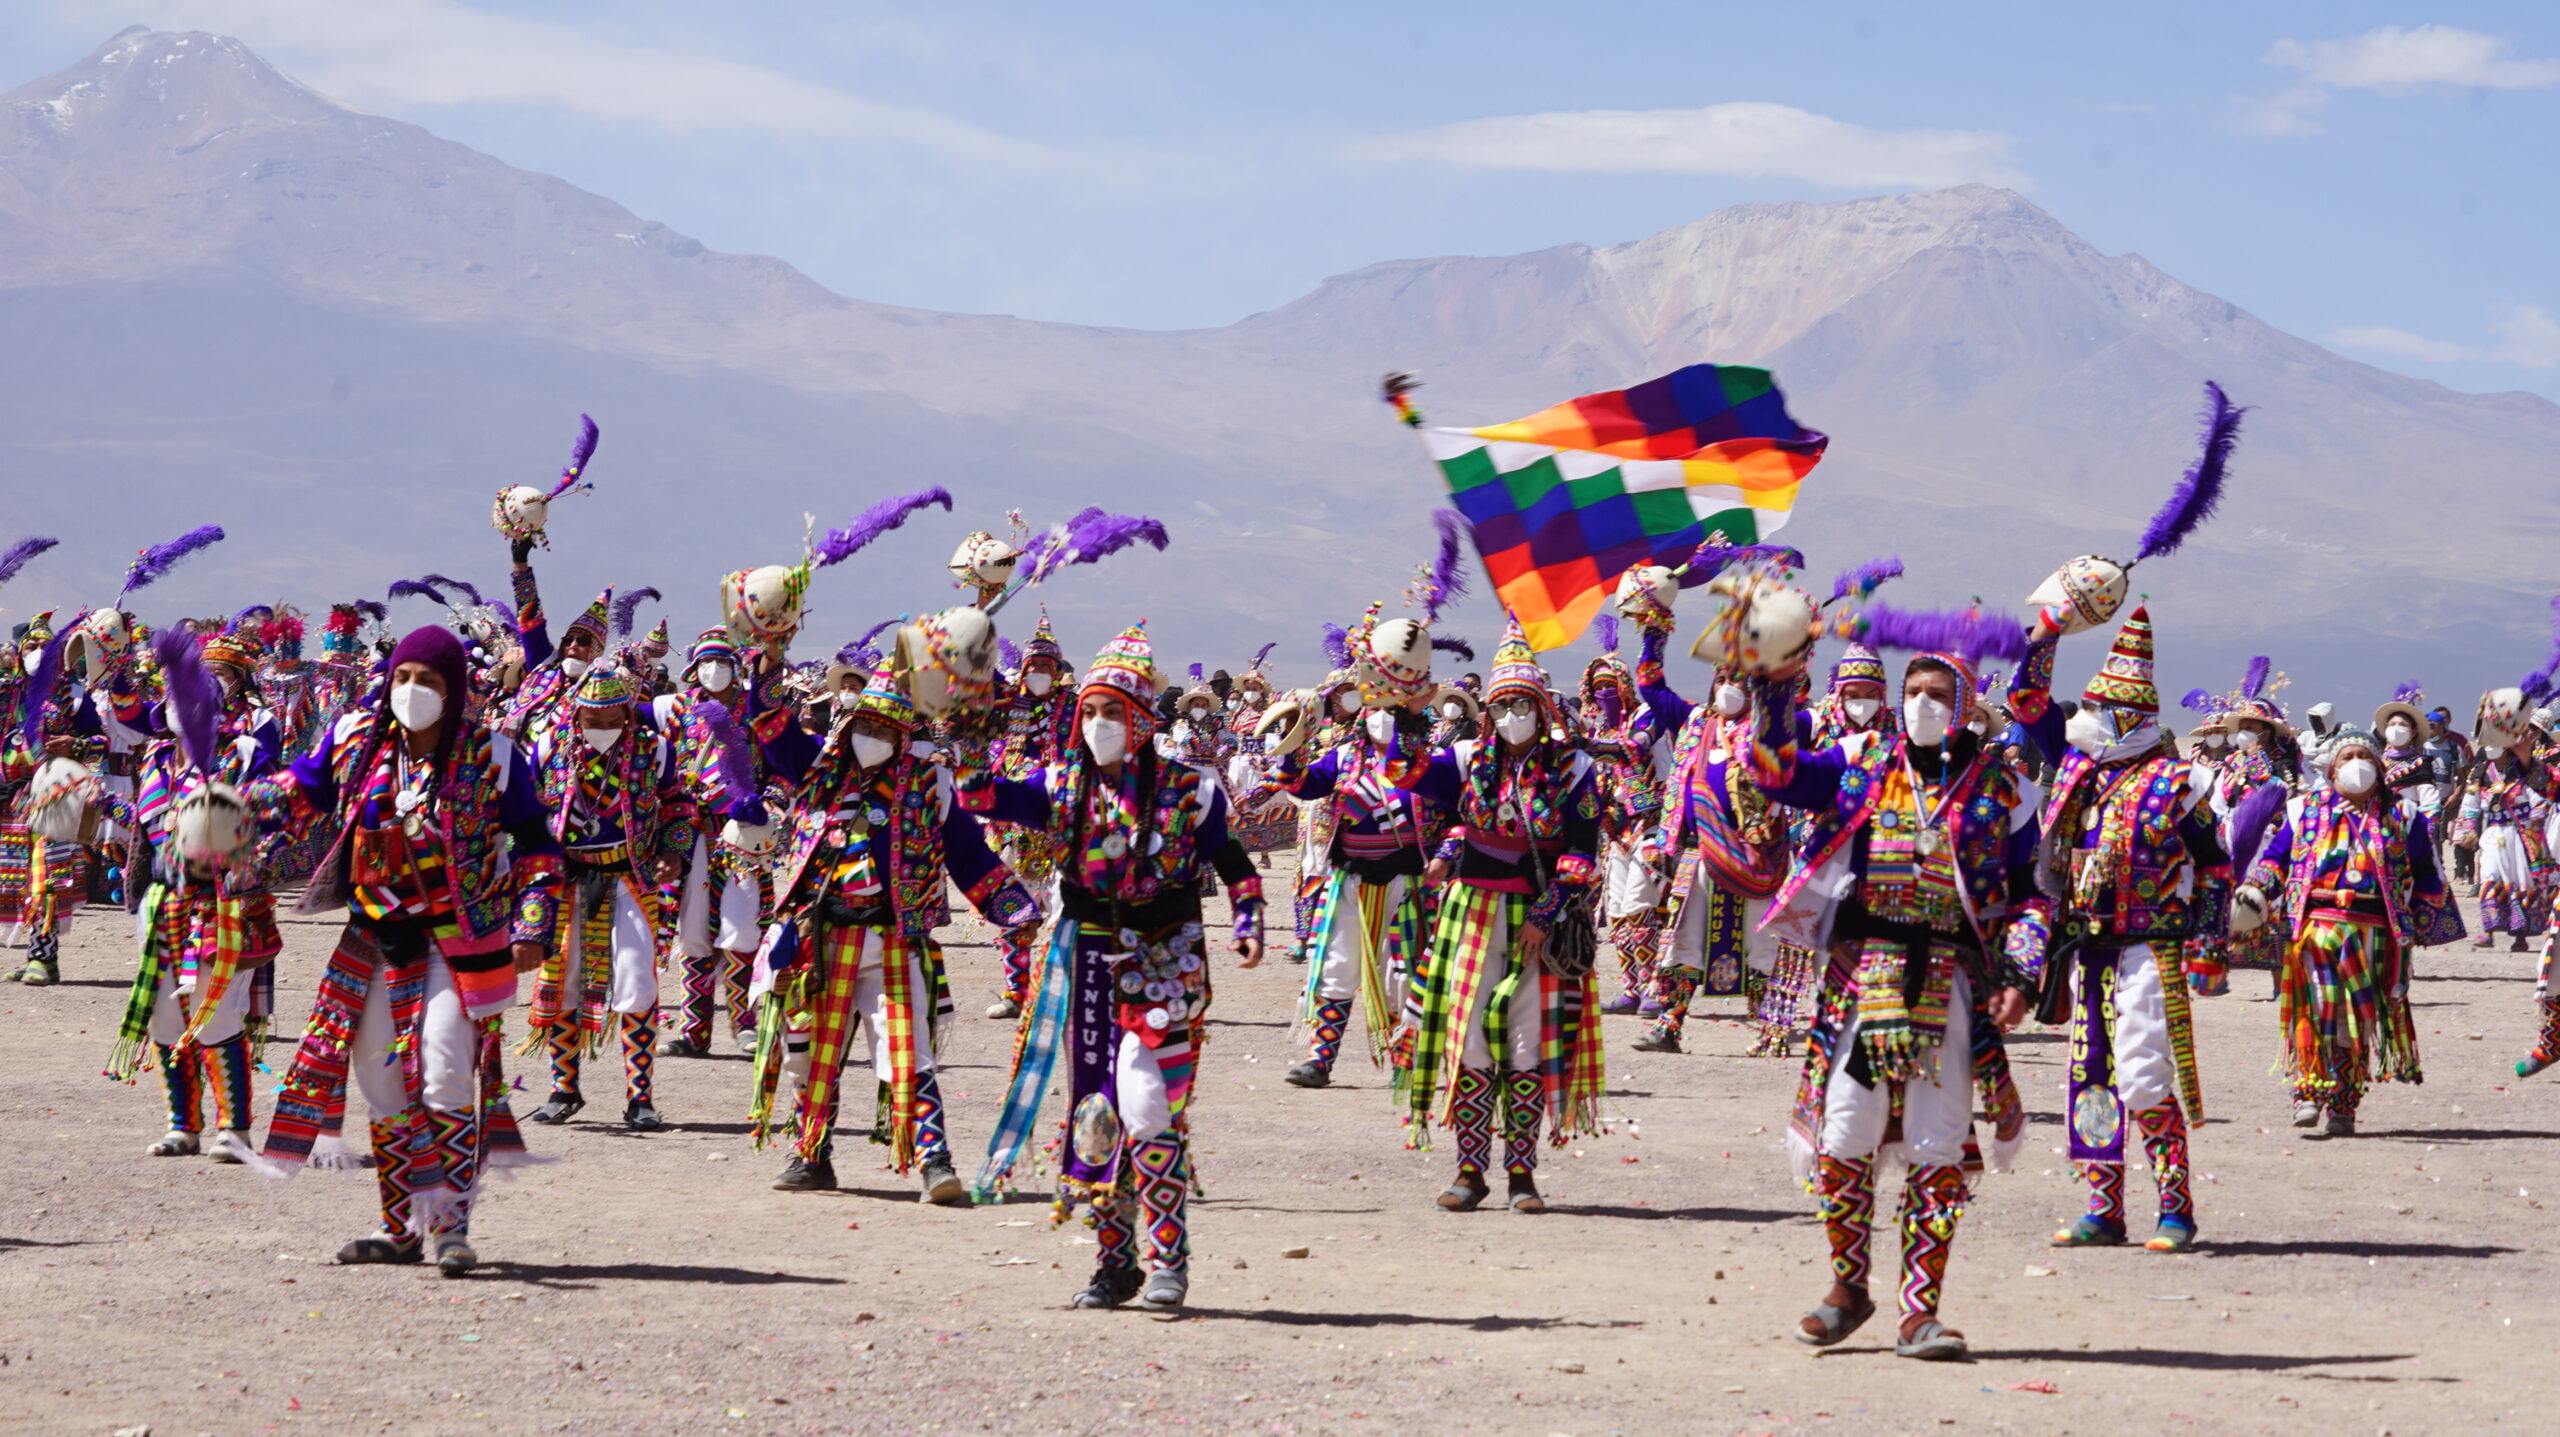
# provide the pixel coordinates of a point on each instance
(195, 699)
(42, 681)
(1863, 579)
(732, 758)
(579, 454)
(2537, 685)
(374, 609)
(417, 588)
(470, 590)
(2200, 490)
(1195, 673)
(1975, 636)
(1262, 653)
(1009, 655)
(625, 608)
(1607, 624)
(264, 611)
(2408, 693)
(1448, 572)
(1452, 644)
(159, 559)
(505, 611)
(1708, 562)
(2254, 684)
(2251, 821)
(18, 555)
(1337, 646)
(2197, 700)
(842, 544)
(1091, 535)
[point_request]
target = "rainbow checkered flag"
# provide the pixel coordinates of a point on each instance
(1566, 500)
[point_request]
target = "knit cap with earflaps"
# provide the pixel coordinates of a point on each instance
(2124, 681)
(1127, 667)
(595, 623)
(1859, 665)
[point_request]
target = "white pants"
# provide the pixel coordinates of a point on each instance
(1937, 1103)
(1339, 981)
(738, 932)
(2146, 1066)
(1631, 884)
(448, 1048)
(1525, 1022)
(1689, 935)
(169, 1020)
(632, 986)
(1146, 1103)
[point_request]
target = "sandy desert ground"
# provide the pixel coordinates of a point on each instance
(2388, 1283)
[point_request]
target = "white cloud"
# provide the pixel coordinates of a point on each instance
(2389, 60)
(1747, 139)
(400, 54)
(2527, 337)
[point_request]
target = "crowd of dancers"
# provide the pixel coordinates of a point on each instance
(1884, 872)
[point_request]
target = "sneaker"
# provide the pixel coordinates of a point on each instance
(1651, 1008)
(2306, 1115)
(685, 1048)
(454, 1257)
(1165, 1291)
(2341, 1125)
(1658, 1040)
(1622, 1004)
(228, 1147)
(807, 1177)
(2174, 1234)
(556, 1109)
(39, 973)
(942, 1186)
(1111, 1286)
(1310, 1074)
(1004, 1008)
(2091, 1231)
(641, 1116)
(173, 1144)
(378, 1248)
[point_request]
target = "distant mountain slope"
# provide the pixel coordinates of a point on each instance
(234, 300)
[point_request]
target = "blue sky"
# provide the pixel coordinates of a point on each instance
(2382, 177)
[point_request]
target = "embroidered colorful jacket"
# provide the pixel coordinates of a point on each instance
(900, 822)
(1380, 829)
(1520, 818)
(499, 863)
(2130, 854)
(1136, 850)
(2330, 852)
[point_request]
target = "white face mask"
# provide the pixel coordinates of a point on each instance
(1861, 711)
(1516, 728)
(2090, 732)
(871, 750)
(2493, 750)
(1731, 700)
(1977, 728)
(1037, 684)
(1107, 738)
(1348, 703)
(847, 698)
(602, 740)
(1453, 709)
(2356, 777)
(717, 675)
(2246, 739)
(1235, 701)
(416, 706)
(1381, 725)
(1199, 715)
(576, 668)
(2215, 740)
(1925, 719)
(2398, 735)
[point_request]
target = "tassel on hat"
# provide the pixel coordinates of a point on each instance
(2124, 681)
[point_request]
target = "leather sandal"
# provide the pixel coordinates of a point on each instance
(1836, 1322)
(1466, 1194)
